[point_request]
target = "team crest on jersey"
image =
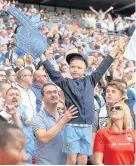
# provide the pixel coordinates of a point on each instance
(129, 137)
(68, 145)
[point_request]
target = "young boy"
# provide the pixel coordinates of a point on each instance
(79, 91)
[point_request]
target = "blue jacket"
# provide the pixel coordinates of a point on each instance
(37, 91)
(79, 92)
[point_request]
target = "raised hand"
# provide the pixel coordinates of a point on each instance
(111, 8)
(90, 7)
(70, 114)
(11, 110)
(28, 36)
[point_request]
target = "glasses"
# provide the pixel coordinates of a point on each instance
(117, 108)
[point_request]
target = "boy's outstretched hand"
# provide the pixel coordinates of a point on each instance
(118, 48)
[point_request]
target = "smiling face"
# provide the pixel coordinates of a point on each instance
(50, 95)
(77, 68)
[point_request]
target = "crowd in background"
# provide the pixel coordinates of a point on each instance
(92, 35)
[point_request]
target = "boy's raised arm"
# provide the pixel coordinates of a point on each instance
(105, 64)
(55, 76)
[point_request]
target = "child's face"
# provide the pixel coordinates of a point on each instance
(77, 68)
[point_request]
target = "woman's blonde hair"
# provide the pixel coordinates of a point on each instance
(126, 119)
(19, 61)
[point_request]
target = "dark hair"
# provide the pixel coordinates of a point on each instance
(8, 72)
(5, 134)
(48, 84)
(121, 86)
(39, 65)
(14, 88)
(60, 68)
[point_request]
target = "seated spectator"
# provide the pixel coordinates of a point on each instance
(116, 140)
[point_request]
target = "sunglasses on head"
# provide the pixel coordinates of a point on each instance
(117, 108)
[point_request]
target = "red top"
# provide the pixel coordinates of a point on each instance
(117, 148)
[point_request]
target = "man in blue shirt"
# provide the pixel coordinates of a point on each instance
(40, 78)
(48, 126)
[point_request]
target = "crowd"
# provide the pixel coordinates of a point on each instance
(76, 104)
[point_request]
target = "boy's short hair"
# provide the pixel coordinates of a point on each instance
(73, 56)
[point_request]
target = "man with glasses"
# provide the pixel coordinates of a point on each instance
(40, 78)
(28, 97)
(2, 75)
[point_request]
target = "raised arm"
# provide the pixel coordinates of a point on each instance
(111, 8)
(100, 71)
(105, 64)
(46, 136)
(55, 76)
(93, 10)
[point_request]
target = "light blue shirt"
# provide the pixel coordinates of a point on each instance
(27, 130)
(48, 153)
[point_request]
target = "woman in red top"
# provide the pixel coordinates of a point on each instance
(115, 145)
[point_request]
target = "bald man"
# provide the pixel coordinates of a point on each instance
(28, 97)
(40, 78)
